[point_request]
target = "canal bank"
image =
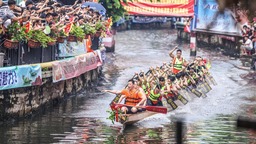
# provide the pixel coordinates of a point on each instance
(82, 117)
(29, 88)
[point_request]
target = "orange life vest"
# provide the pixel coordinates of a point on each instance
(133, 98)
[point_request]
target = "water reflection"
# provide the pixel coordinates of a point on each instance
(219, 130)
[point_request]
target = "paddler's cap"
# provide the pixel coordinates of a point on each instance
(161, 79)
(171, 78)
(178, 75)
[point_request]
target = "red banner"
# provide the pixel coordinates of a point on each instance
(73, 67)
(160, 7)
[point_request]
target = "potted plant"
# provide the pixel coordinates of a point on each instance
(37, 38)
(99, 28)
(53, 35)
(61, 36)
(89, 30)
(76, 34)
(15, 34)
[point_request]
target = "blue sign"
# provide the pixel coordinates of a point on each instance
(206, 14)
(20, 76)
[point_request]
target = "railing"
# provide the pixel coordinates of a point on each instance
(25, 55)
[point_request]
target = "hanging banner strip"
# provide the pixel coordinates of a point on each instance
(160, 8)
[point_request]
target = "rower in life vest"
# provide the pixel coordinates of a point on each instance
(173, 90)
(133, 98)
(156, 94)
(178, 61)
(154, 97)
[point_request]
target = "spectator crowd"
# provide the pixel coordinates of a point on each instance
(48, 16)
(249, 39)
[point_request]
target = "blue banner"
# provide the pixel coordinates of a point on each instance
(20, 76)
(206, 13)
(68, 49)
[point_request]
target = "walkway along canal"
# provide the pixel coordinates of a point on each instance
(82, 118)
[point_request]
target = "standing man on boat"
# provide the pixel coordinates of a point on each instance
(178, 61)
(133, 97)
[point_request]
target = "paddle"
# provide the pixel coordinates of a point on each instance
(201, 88)
(195, 91)
(182, 99)
(185, 93)
(211, 79)
(207, 86)
(171, 102)
(158, 109)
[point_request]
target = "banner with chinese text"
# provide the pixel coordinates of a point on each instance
(20, 76)
(73, 67)
(181, 8)
(68, 49)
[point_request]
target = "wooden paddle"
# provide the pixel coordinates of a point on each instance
(208, 86)
(211, 79)
(182, 99)
(158, 109)
(195, 91)
(171, 102)
(200, 87)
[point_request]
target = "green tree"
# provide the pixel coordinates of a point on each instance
(114, 8)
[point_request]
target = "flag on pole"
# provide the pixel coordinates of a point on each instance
(27, 27)
(89, 44)
(187, 29)
(68, 28)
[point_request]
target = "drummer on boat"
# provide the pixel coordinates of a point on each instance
(134, 98)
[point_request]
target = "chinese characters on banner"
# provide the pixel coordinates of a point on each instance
(73, 67)
(160, 7)
(68, 49)
(20, 76)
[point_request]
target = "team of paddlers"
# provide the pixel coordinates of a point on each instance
(167, 81)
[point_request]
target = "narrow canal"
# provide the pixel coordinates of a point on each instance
(82, 118)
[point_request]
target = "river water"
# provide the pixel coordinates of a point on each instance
(82, 118)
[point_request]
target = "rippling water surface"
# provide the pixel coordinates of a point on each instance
(82, 118)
